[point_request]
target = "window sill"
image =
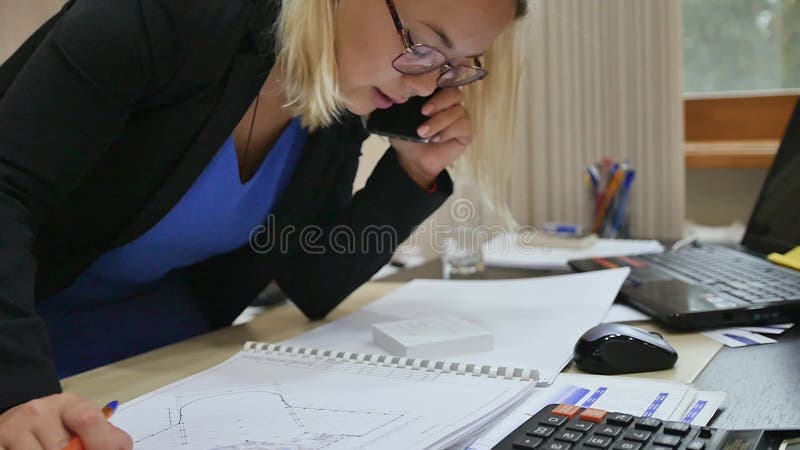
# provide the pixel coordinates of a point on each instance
(740, 154)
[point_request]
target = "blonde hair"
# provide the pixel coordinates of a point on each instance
(307, 55)
(493, 104)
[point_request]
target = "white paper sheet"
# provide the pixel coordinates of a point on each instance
(506, 252)
(665, 400)
(619, 313)
(536, 322)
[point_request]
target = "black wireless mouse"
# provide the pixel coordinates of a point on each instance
(613, 348)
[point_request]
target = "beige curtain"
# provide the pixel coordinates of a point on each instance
(604, 78)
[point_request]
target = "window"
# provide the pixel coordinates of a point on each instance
(741, 45)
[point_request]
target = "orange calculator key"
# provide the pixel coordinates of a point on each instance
(593, 415)
(569, 411)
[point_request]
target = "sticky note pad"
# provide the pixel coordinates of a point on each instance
(432, 337)
(790, 259)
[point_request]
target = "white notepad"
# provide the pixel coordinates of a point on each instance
(273, 396)
(432, 337)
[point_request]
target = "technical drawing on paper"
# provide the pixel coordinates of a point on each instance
(269, 401)
(259, 412)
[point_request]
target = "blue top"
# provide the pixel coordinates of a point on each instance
(216, 215)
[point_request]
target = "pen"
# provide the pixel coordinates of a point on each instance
(623, 200)
(569, 229)
(75, 443)
(608, 196)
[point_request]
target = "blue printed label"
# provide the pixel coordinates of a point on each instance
(595, 396)
(655, 405)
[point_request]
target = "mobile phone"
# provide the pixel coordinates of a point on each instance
(399, 121)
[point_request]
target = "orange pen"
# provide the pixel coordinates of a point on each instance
(75, 443)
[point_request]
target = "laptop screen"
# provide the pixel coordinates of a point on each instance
(775, 223)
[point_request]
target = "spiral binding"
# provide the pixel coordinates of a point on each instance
(399, 362)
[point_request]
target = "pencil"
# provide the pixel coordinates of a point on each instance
(75, 443)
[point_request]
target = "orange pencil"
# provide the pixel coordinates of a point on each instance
(75, 443)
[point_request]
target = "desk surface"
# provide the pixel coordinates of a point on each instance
(762, 381)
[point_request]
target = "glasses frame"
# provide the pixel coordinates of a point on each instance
(444, 68)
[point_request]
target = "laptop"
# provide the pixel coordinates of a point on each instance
(704, 286)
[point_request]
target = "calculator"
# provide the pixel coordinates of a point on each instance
(569, 427)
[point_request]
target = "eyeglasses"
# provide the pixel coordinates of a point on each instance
(419, 59)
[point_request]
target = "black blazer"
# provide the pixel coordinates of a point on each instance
(110, 112)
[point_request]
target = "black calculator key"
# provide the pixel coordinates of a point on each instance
(541, 431)
(608, 430)
(553, 421)
(706, 433)
(597, 442)
(568, 436)
(637, 435)
(696, 445)
(667, 441)
(627, 445)
(554, 445)
(580, 425)
(677, 428)
(527, 443)
(619, 419)
(648, 423)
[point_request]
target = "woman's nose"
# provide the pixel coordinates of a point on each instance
(422, 85)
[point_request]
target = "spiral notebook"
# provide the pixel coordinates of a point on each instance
(290, 398)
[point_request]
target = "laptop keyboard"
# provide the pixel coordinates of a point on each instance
(739, 277)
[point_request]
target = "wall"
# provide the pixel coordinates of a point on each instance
(19, 18)
(722, 196)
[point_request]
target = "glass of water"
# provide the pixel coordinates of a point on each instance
(462, 252)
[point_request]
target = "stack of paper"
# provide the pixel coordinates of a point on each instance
(665, 400)
(747, 336)
(509, 251)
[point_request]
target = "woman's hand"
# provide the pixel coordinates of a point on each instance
(49, 423)
(450, 131)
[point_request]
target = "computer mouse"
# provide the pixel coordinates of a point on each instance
(613, 348)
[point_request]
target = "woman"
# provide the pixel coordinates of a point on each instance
(141, 142)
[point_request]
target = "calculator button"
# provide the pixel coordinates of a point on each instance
(677, 428)
(705, 433)
(593, 415)
(648, 423)
(568, 436)
(568, 411)
(556, 446)
(553, 421)
(541, 431)
(597, 442)
(696, 445)
(627, 445)
(608, 430)
(580, 425)
(667, 441)
(527, 443)
(637, 435)
(619, 419)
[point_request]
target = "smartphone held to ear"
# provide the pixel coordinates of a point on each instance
(399, 121)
